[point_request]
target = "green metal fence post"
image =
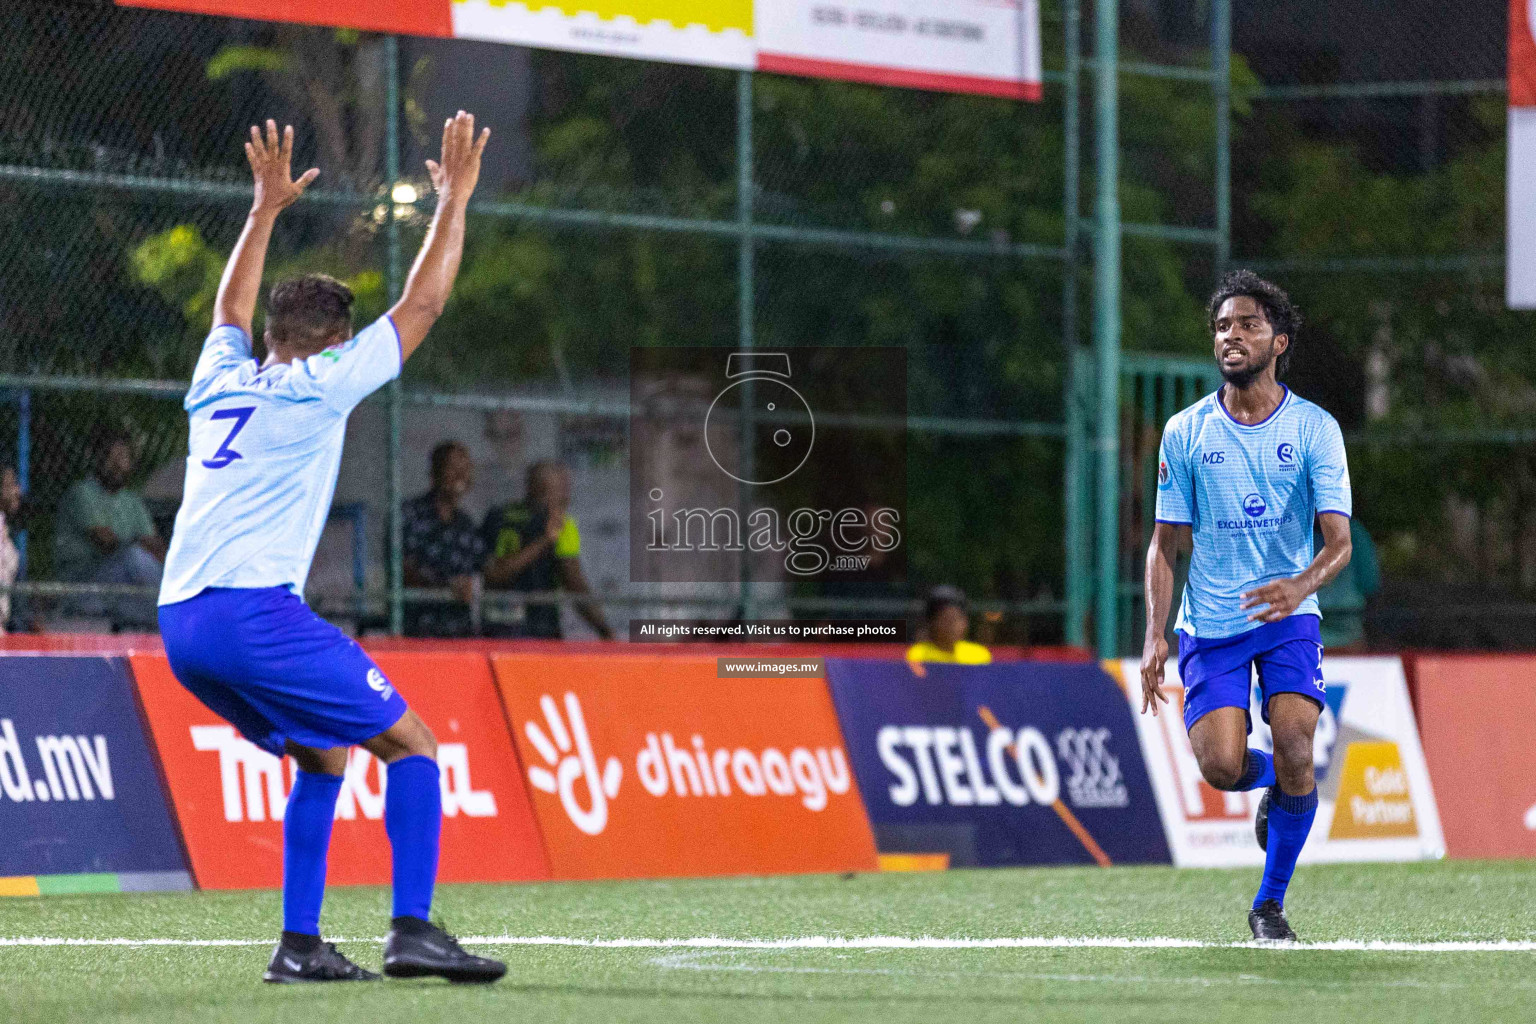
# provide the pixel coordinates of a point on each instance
(1078, 566)
(746, 299)
(1106, 317)
(394, 283)
(1221, 82)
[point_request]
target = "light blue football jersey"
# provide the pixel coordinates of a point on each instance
(263, 453)
(1250, 495)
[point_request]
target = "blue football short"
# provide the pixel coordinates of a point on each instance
(1288, 656)
(272, 668)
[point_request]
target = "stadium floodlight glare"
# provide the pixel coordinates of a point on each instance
(403, 192)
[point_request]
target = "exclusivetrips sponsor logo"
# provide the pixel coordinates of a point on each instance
(1254, 507)
(664, 766)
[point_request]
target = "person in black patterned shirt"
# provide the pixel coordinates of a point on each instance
(442, 546)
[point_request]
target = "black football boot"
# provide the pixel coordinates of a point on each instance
(418, 949)
(1267, 920)
(324, 963)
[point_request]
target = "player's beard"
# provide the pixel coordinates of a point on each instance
(1241, 378)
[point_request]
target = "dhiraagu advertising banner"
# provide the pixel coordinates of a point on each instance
(1374, 797)
(990, 47)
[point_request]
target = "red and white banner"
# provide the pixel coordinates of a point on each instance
(979, 46)
(990, 47)
(1374, 797)
(229, 795)
(1520, 274)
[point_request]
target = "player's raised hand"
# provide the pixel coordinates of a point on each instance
(1279, 599)
(457, 171)
(1154, 655)
(271, 157)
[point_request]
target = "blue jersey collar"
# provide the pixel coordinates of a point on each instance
(1284, 400)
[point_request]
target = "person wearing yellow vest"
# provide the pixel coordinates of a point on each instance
(948, 620)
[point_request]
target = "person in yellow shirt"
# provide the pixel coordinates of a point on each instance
(948, 620)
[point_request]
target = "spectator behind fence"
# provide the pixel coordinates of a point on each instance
(442, 546)
(10, 557)
(105, 535)
(535, 546)
(946, 617)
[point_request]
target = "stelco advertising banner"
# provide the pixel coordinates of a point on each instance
(991, 47)
(79, 793)
(1374, 797)
(653, 766)
(1520, 280)
(229, 795)
(1479, 725)
(1022, 763)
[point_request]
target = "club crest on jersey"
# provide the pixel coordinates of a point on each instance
(378, 684)
(1286, 453)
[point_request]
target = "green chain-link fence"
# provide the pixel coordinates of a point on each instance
(634, 203)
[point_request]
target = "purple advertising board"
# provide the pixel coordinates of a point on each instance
(80, 794)
(1019, 763)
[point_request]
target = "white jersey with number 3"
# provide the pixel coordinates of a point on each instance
(263, 453)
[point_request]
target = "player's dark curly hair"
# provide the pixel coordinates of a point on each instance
(310, 311)
(1284, 318)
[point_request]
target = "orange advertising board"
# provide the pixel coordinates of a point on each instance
(229, 795)
(643, 766)
(415, 17)
(1477, 714)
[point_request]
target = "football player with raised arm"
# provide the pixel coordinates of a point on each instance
(263, 452)
(1242, 475)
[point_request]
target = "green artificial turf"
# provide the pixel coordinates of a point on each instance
(1415, 903)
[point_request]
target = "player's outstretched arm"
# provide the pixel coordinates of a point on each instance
(271, 158)
(1161, 554)
(431, 281)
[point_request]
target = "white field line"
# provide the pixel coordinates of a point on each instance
(858, 943)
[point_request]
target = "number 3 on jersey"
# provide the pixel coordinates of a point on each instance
(225, 455)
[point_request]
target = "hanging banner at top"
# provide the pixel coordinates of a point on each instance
(1520, 279)
(988, 47)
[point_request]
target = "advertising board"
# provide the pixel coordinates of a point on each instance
(1015, 763)
(229, 795)
(645, 766)
(79, 791)
(1375, 802)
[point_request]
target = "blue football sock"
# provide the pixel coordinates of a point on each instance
(1290, 819)
(413, 817)
(306, 838)
(1260, 773)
